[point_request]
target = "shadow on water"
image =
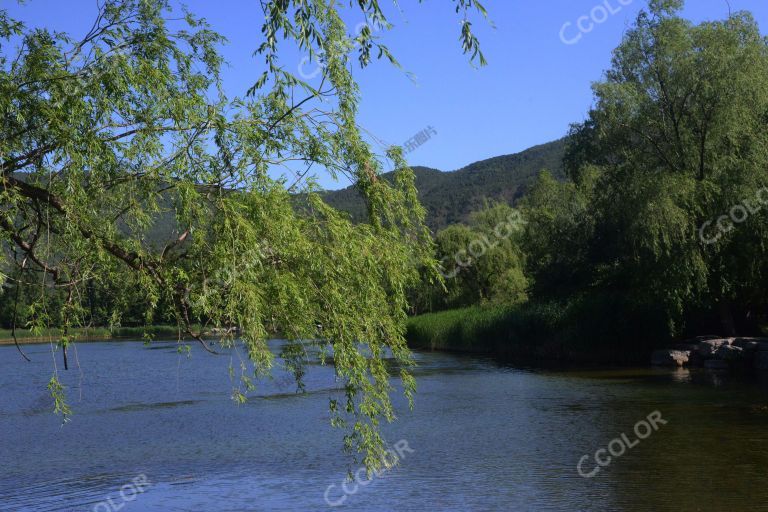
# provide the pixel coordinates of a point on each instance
(149, 407)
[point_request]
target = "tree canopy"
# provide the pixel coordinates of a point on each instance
(674, 149)
(659, 231)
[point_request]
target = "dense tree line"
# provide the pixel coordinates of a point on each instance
(660, 229)
(676, 139)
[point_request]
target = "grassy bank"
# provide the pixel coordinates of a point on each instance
(92, 333)
(492, 330)
(473, 329)
(581, 332)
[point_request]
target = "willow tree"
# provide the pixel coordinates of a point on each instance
(678, 135)
(124, 164)
(481, 261)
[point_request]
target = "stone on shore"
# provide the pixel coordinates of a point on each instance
(715, 353)
(708, 348)
(747, 345)
(760, 343)
(729, 353)
(669, 357)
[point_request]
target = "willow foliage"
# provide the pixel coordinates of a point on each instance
(124, 165)
(675, 144)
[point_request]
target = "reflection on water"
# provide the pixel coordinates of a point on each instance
(484, 436)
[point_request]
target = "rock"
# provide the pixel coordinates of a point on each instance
(746, 345)
(707, 348)
(729, 353)
(744, 340)
(716, 364)
(761, 360)
(752, 345)
(669, 357)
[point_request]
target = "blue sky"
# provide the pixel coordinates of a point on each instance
(533, 87)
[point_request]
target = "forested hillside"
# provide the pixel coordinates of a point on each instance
(450, 197)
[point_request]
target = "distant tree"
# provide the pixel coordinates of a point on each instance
(482, 262)
(461, 280)
(558, 235)
(497, 254)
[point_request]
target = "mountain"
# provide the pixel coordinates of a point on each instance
(449, 197)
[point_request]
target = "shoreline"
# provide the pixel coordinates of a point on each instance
(497, 334)
(159, 331)
(527, 336)
(39, 340)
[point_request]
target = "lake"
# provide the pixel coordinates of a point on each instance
(155, 430)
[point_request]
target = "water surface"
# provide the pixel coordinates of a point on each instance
(484, 436)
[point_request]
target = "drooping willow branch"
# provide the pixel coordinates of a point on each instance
(132, 259)
(16, 311)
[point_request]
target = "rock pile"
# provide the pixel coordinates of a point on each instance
(716, 353)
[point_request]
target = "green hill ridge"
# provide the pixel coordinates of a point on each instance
(450, 197)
